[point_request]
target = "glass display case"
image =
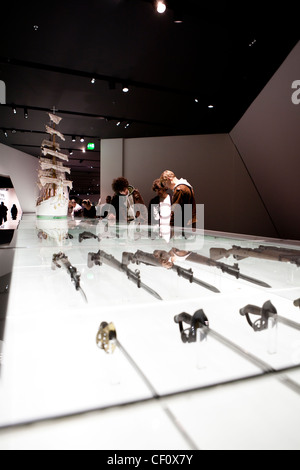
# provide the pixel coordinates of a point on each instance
(96, 352)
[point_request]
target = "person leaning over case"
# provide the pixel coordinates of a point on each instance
(183, 195)
(124, 199)
(89, 211)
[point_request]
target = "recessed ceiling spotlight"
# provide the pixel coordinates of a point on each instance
(196, 100)
(125, 89)
(81, 139)
(211, 106)
(25, 113)
(161, 6)
(73, 138)
(93, 80)
(252, 43)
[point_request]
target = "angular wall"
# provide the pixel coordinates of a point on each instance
(210, 163)
(268, 140)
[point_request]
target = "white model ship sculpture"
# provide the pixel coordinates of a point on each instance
(54, 195)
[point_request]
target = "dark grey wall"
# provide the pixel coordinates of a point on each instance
(268, 140)
(212, 164)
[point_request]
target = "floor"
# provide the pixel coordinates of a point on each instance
(233, 388)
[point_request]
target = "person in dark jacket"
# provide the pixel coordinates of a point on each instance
(183, 196)
(124, 199)
(89, 211)
(3, 213)
(14, 212)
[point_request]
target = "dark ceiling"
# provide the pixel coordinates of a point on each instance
(222, 54)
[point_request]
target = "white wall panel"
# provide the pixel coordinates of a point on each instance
(22, 169)
(111, 164)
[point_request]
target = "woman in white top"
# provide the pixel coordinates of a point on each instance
(160, 209)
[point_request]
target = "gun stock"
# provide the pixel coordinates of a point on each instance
(218, 253)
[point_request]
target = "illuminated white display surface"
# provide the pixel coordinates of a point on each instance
(175, 395)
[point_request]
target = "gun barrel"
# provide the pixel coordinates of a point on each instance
(111, 261)
(225, 268)
(189, 276)
(184, 273)
(270, 253)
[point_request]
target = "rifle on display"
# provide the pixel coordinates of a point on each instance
(284, 255)
(135, 276)
(199, 259)
(265, 313)
(61, 260)
(140, 257)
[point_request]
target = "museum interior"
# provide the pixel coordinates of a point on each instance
(149, 333)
